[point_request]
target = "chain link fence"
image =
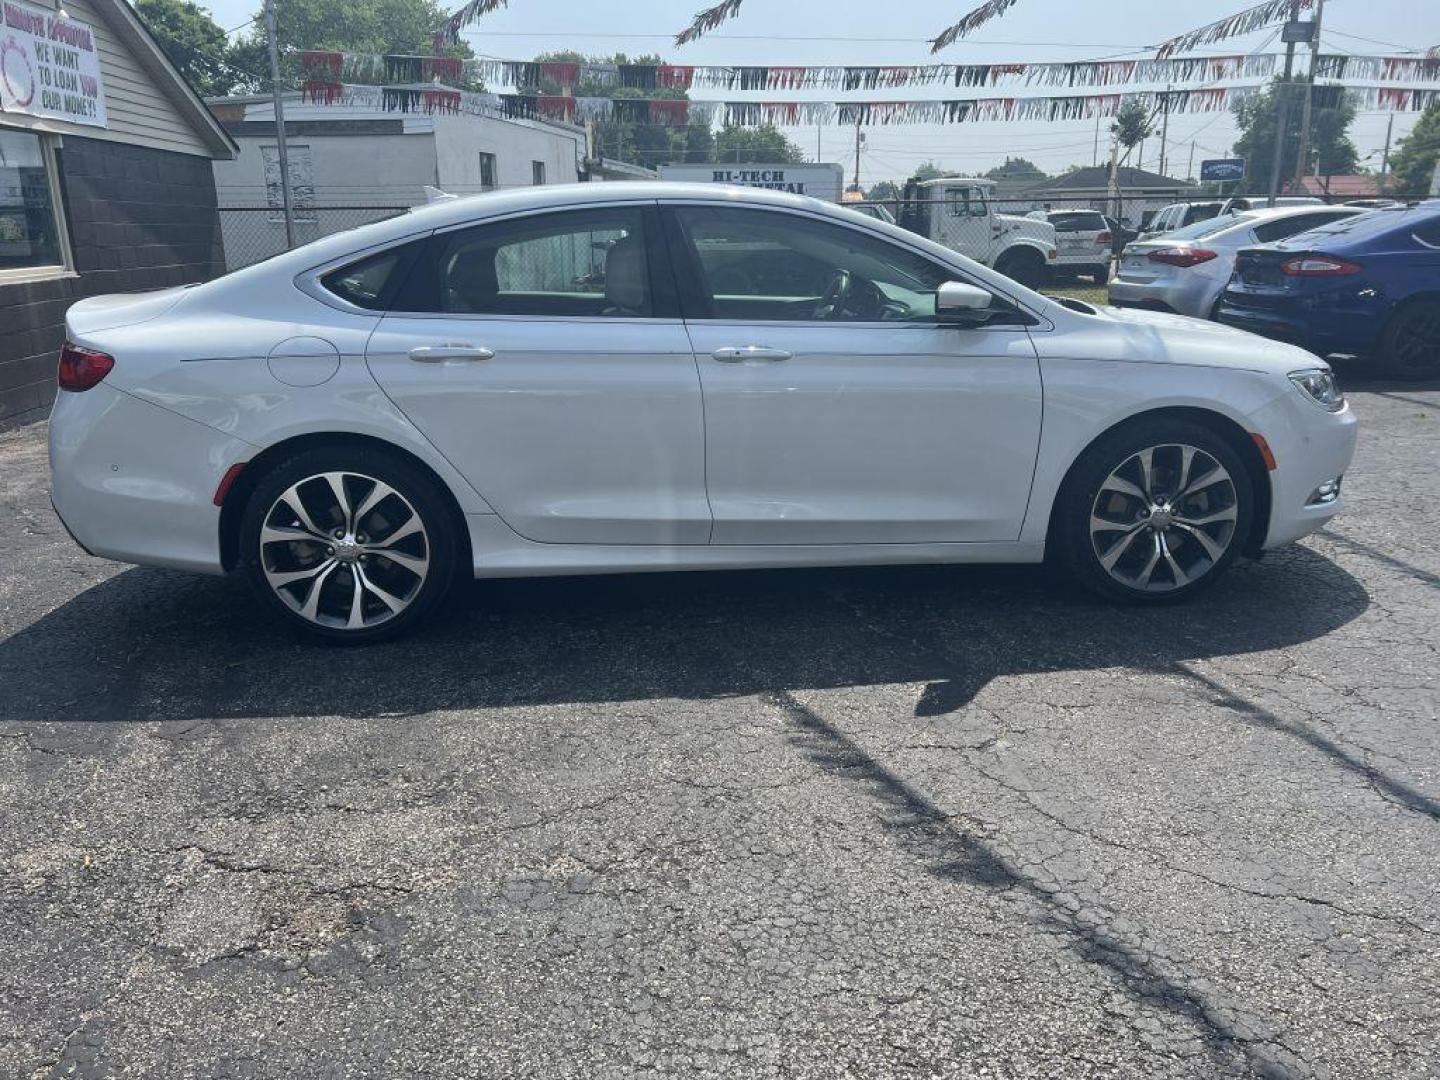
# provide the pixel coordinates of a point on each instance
(253, 233)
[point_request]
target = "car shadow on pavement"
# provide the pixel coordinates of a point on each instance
(154, 645)
(1237, 1040)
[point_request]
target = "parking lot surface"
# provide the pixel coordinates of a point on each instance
(872, 823)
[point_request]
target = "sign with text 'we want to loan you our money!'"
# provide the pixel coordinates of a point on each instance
(49, 66)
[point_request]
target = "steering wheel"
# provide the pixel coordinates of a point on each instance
(837, 291)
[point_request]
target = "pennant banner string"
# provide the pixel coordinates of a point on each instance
(708, 20)
(449, 32)
(530, 75)
(971, 21)
(429, 98)
(1244, 22)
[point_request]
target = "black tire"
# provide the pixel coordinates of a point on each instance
(1410, 346)
(1100, 275)
(1024, 265)
(437, 545)
(1079, 551)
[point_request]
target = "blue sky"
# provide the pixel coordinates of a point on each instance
(831, 32)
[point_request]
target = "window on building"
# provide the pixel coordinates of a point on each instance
(537, 173)
(31, 240)
(487, 171)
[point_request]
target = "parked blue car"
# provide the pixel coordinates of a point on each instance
(1367, 286)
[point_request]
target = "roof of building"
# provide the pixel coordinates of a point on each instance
(1350, 186)
(132, 31)
(1097, 178)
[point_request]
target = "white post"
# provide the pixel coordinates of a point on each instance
(275, 94)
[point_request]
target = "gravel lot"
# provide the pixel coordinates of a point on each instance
(933, 822)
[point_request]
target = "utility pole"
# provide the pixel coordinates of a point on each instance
(1096, 161)
(1282, 110)
(1302, 164)
(1164, 129)
(1190, 169)
(1114, 183)
(1385, 157)
(859, 141)
(818, 153)
(279, 123)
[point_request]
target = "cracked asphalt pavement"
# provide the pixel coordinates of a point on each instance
(871, 823)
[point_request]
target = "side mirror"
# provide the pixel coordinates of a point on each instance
(966, 305)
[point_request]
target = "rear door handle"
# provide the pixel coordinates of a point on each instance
(744, 354)
(438, 354)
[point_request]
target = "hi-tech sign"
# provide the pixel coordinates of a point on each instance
(49, 66)
(818, 181)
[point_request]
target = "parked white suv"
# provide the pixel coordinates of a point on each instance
(1177, 216)
(1084, 241)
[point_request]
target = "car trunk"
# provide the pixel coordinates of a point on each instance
(1259, 281)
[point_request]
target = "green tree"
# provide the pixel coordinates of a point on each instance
(193, 41)
(1132, 125)
(1017, 169)
(883, 191)
(374, 26)
(1331, 116)
(763, 144)
(1412, 166)
(928, 170)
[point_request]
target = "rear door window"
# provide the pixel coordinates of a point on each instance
(577, 263)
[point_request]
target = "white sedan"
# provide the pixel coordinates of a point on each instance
(1186, 271)
(625, 377)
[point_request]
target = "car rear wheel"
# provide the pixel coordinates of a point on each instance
(349, 545)
(1410, 348)
(1154, 512)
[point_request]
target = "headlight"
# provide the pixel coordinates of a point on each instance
(1319, 385)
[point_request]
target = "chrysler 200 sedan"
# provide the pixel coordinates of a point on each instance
(629, 377)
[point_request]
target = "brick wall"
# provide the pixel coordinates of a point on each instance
(138, 219)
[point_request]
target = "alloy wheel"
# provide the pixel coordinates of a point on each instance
(1416, 342)
(1164, 518)
(344, 550)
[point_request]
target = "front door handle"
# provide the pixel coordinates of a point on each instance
(438, 354)
(745, 354)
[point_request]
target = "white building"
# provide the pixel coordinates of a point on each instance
(351, 165)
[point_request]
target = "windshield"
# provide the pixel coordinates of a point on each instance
(1210, 226)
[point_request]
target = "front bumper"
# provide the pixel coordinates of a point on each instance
(134, 482)
(1311, 447)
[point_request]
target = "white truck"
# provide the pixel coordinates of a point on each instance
(959, 212)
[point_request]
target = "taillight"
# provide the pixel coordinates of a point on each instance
(1182, 256)
(1318, 266)
(82, 368)
(1104, 239)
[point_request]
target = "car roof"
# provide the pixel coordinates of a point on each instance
(1265, 213)
(474, 209)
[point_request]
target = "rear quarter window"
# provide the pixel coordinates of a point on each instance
(372, 282)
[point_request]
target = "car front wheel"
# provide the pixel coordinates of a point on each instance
(1155, 512)
(349, 545)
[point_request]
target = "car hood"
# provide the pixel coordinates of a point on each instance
(1158, 337)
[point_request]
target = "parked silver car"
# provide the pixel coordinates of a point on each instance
(1186, 271)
